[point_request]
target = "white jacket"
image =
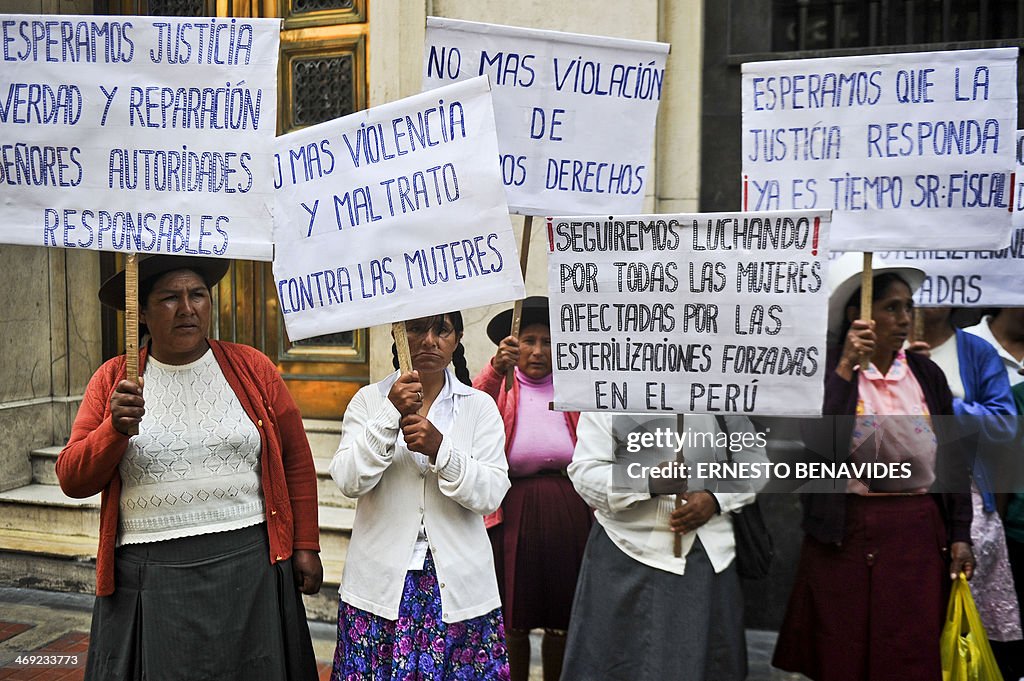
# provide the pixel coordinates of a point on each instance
(637, 522)
(396, 495)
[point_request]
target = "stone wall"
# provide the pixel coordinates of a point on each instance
(49, 349)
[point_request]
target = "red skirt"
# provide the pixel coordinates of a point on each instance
(538, 549)
(874, 607)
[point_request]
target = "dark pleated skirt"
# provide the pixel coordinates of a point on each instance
(206, 608)
(538, 549)
(632, 622)
(872, 608)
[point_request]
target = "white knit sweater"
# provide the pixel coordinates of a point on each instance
(194, 466)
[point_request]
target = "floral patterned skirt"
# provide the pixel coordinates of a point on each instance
(992, 586)
(419, 646)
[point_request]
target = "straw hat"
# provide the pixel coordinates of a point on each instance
(535, 311)
(844, 280)
(211, 270)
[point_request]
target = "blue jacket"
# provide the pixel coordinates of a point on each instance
(986, 393)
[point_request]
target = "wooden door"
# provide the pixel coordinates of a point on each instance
(322, 75)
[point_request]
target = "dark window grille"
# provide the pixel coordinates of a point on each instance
(178, 8)
(306, 6)
(343, 339)
(799, 25)
(322, 89)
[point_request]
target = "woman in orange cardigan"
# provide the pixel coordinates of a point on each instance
(208, 522)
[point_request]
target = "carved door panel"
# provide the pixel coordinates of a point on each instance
(322, 75)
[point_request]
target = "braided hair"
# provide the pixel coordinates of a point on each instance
(458, 356)
(459, 364)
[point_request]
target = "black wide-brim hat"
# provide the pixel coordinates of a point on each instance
(210, 269)
(535, 311)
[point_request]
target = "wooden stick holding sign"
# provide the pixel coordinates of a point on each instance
(131, 317)
(918, 331)
(677, 538)
(517, 309)
(131, 324)
(867, 281)
(402, 344)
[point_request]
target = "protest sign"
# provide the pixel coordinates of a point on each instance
(973, 278)
(909, 151)
(138, 134)
(714, 312)
(392, 213)
(575, 113)
(967, 278)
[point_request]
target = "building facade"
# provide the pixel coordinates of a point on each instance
(336, 57)
(340, 56)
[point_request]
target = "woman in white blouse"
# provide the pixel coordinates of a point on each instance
(424, 454)
(640, 612)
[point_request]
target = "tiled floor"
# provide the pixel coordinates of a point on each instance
(11, 629)
(40, 623)
(72, 644)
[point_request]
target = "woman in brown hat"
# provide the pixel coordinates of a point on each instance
(540, 532)
(208, 521)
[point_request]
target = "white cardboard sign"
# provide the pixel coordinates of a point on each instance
(575, 113)
(909, 151)
(713, 312)
(393, 213)
(974, 278)
(138, 134)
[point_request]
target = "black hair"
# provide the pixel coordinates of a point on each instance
(879, 287)
(145, 288)
(458, 356)
(459, 364)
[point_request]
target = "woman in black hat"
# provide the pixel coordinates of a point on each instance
(208, 521)
(540, 532)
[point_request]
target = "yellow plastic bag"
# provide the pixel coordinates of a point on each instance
(966, 654)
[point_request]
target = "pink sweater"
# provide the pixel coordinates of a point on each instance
(493, 383)
(547, 444)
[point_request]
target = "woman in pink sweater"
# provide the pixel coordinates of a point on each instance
(540, 532)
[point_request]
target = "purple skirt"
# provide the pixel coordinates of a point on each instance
(419, 646)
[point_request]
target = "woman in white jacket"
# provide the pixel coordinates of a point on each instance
(424, 454)
(639, 611)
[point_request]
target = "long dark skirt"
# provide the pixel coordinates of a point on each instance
(538, 549)
(872, 608)
(206, 608)
(632, 622)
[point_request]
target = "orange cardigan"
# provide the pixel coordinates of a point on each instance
(89, 462)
